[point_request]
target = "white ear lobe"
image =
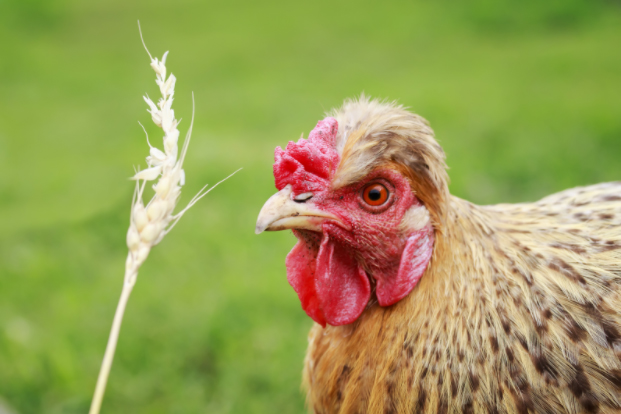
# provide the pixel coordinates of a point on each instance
(416, 218)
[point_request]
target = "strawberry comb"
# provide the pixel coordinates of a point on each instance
(309, 163)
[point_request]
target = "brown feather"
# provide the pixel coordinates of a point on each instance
(518, 311)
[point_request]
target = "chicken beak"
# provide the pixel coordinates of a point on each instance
(281, 212)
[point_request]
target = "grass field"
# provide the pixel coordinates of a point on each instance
(526, 101)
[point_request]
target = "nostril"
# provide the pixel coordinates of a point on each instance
(303, 198)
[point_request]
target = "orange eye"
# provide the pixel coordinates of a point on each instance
(375, 194)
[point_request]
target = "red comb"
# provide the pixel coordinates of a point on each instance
(309, 163)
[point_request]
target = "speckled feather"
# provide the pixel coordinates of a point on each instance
(518, 311)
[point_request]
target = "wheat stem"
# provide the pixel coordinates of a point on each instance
(104, 372)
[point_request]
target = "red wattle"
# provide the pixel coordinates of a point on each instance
(331, 285)
(300, 265)
(341, 283)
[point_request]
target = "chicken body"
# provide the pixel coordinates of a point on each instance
(518, 313)
(518, 310)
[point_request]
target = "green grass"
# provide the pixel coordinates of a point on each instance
(525, 101)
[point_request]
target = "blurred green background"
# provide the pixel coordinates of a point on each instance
(525, 98)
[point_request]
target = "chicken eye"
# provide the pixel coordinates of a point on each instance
(375, 194)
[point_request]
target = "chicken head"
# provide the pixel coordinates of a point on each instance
(371, 239)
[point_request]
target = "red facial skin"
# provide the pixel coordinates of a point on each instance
(331, 271)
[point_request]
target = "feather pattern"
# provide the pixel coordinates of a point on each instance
(518, 311)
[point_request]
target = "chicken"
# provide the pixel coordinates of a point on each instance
(427, 303)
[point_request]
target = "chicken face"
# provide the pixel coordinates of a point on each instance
(373, 233)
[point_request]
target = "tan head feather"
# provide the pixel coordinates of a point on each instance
(374, 134)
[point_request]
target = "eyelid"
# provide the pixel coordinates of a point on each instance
(303, 196)
(379, 180)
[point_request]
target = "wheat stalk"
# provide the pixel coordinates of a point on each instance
(149, 224)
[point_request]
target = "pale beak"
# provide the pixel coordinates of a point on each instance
(281, 212)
